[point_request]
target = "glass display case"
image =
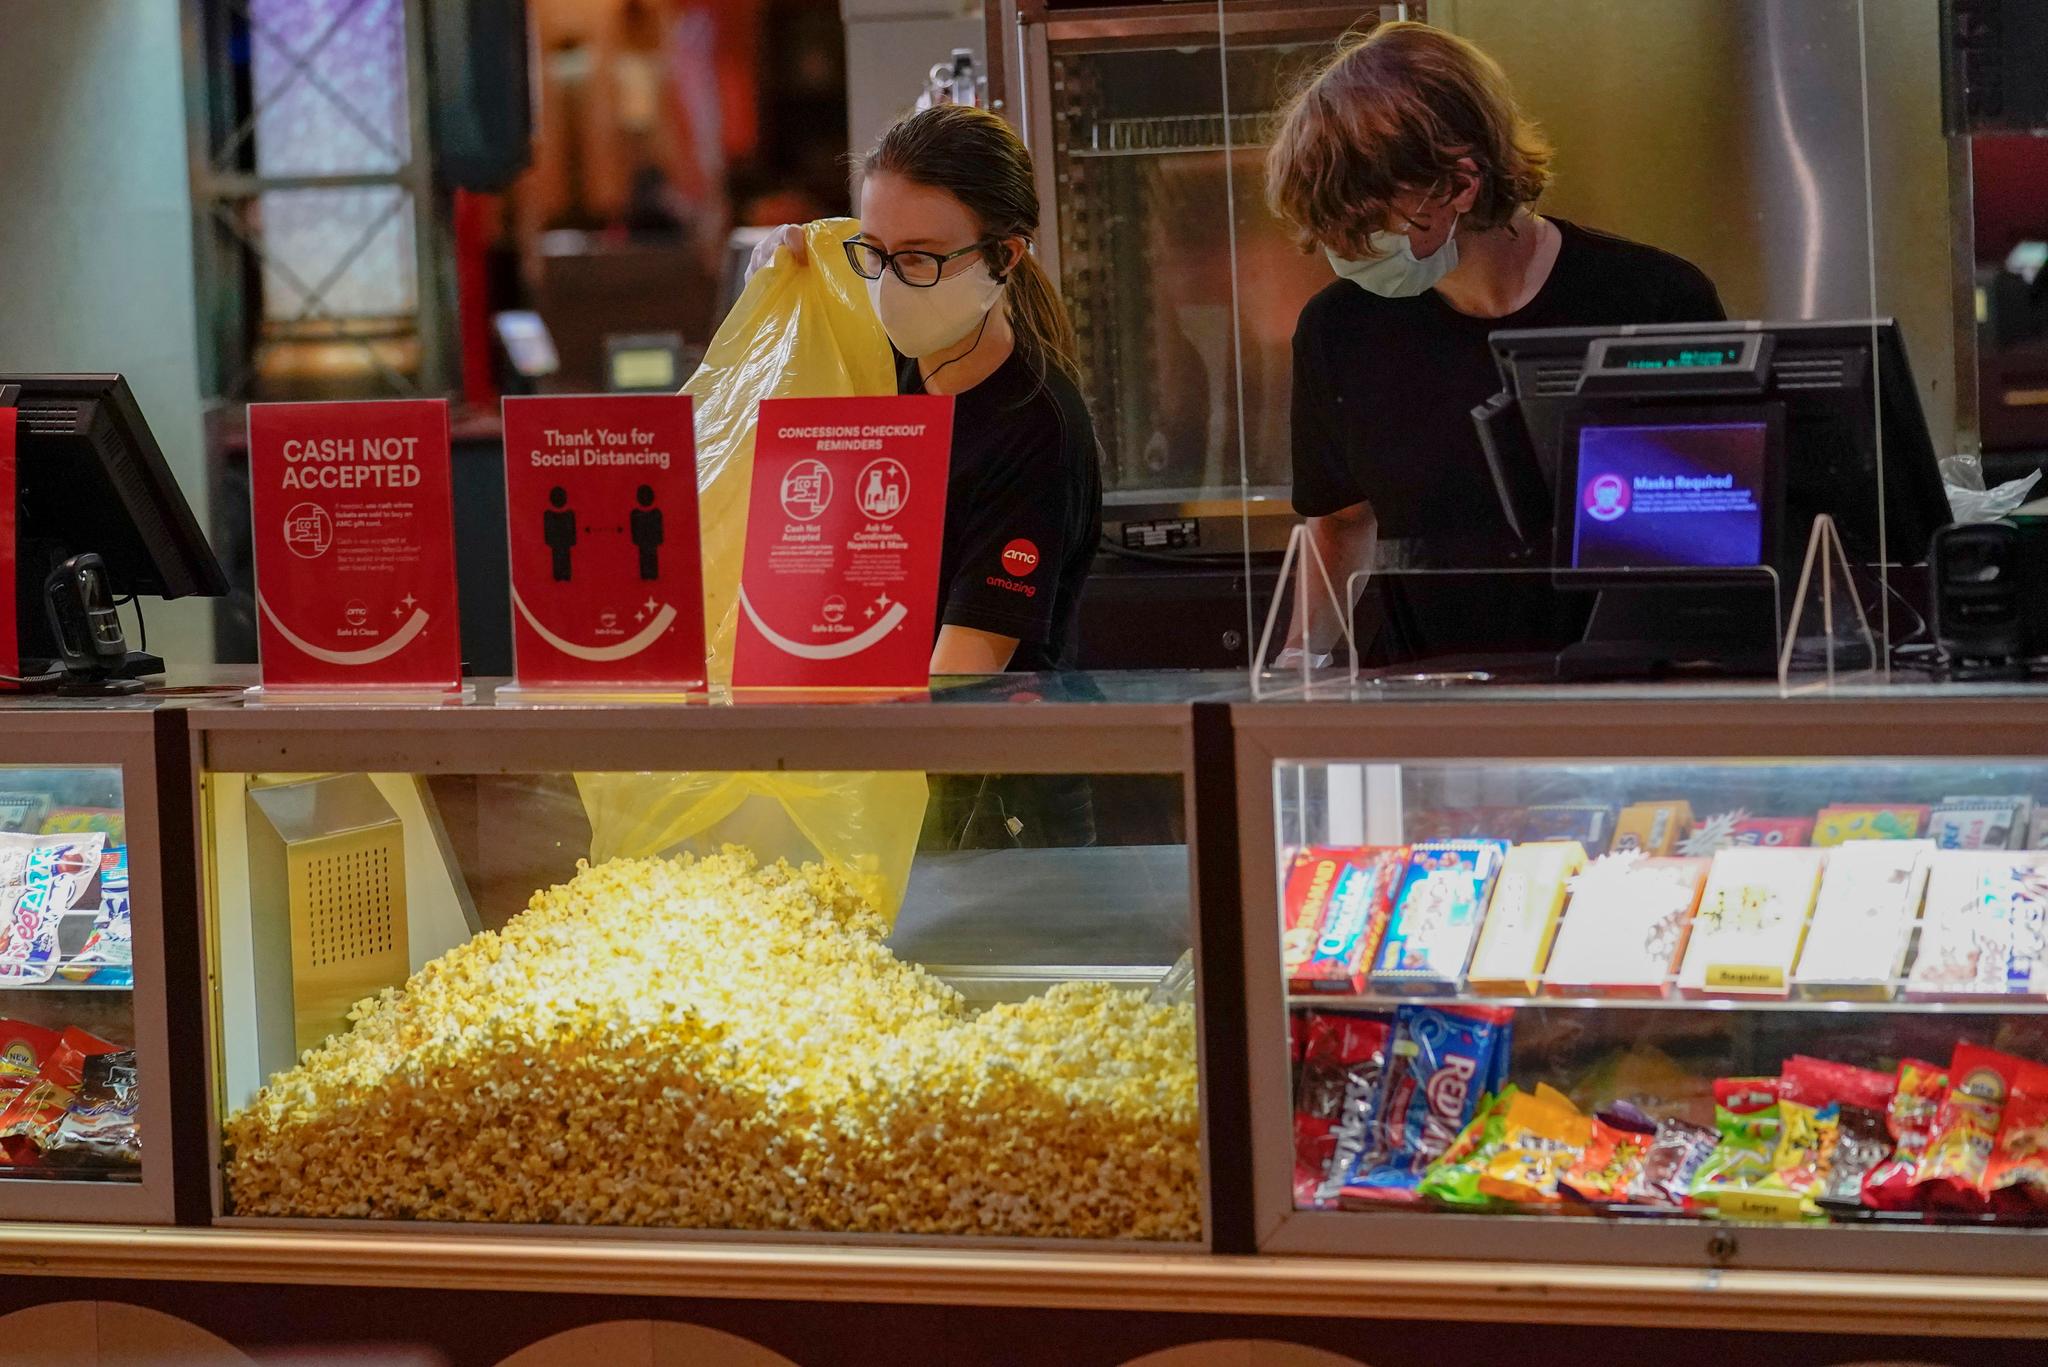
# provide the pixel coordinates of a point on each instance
(894, 969)
(1683, 978)
(85, 1085)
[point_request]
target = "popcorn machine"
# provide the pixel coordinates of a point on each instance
(1149, 126)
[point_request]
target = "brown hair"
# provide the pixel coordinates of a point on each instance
(1395, 110)
(976, 157)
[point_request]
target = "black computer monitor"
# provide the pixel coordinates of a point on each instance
(1743, 433)
(89, 476)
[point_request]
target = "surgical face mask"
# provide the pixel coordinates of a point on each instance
(1395, 272)
(923, 321)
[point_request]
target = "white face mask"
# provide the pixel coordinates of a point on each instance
(1395, 273)
(923, 321)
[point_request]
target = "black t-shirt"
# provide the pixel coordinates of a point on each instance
(1023, 509)
(1383, 396)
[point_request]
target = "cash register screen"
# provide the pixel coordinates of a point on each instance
(1672, 495)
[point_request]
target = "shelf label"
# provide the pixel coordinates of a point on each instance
(1759, 1205)
(607, 584)
(845, 518)
(355, 544)
(1746, 977)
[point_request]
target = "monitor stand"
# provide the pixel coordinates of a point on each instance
(1650, 632)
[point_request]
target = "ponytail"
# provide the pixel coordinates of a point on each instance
(977, 158)
(1040, 320)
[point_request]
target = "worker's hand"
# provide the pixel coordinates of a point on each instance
(790, 235)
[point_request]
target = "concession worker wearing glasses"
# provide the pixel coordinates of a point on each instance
(948, 206)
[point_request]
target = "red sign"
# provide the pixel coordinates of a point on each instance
(10, 646)
(840, 587)
(355, 544)
(606, 573)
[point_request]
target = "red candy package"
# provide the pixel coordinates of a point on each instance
(2016, 1178)
(1980, 1082)
(1343, 1063)
(1610, 1163)
(23, 1047)
(1910, 1117)
(30, 1120)
(1819, 1082)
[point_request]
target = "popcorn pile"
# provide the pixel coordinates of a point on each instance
(706, 1042)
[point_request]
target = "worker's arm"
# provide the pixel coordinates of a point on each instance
(965, 650)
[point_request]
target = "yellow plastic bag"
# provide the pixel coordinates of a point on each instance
(865, 825)
(798, 332)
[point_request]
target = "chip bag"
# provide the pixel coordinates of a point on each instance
(802, 332)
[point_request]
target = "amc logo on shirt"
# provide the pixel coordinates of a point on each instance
(1020, 558)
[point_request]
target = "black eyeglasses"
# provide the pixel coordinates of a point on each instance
(918, 269)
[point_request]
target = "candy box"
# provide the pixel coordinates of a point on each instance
(1870, 896)
(1833, 825)
(1445, 1059)
(107, 821)
(1436, 916)
(1355, 917)
(1305, 895)
(1750, 923)
(1344, 1060)
(1522, 918)
(107, 958)
(41, 878)
(1654, 828)
(1980, 823)
(1590, 824)
(1625, 926)
(23, 811)
(1982, 934)
(1774, 831)
(1736, 828)
(1462, 823)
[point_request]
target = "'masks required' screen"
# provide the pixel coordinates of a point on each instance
(1674, 496)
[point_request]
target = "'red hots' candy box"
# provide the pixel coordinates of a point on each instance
(1356, 890)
